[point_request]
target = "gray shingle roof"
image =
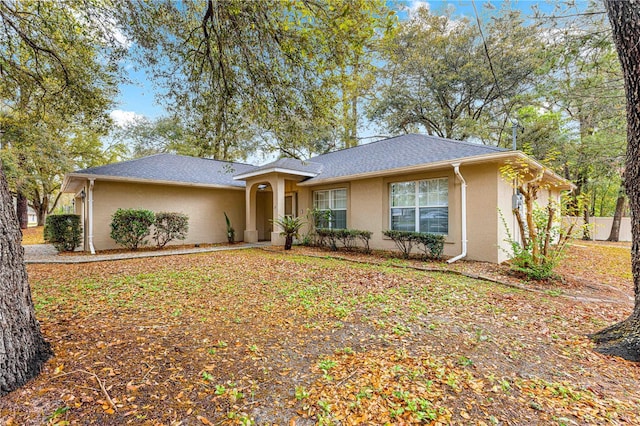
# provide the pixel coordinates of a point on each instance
(393, 153)
(174, 168)
(396, 152)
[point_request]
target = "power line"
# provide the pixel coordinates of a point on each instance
(486, 51)
(514, 123)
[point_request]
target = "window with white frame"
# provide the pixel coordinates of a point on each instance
(332, 205)
(420, 206)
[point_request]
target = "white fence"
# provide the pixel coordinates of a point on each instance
(600, 227)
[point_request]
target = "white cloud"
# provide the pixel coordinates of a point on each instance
(417, 5)
(122, 118)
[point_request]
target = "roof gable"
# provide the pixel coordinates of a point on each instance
(291, 166)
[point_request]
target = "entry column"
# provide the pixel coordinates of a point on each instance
(278, 187)
(250, 230)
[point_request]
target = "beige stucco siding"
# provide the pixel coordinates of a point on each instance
(369, 207)
(204, 206)
(505, 208)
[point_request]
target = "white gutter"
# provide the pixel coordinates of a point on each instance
(90, 198)
(463, 196)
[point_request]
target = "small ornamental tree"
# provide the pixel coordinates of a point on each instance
(543, 239)
(130, 227)
(290, 228)
(169, 227)
(63, 231)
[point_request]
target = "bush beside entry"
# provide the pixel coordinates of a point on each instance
(290, 227)
(130, 227)
(63, 231)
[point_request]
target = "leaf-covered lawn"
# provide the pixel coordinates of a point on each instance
(253, 336)
(33, 235)
(602, 261)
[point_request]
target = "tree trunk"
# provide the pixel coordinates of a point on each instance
(614, 235)
(22, 209)
(623, 339)
(41, 210)
(23, 349)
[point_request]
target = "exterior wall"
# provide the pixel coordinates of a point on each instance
(368, 208)
(507, 224)
(487, 196)
(204, 206)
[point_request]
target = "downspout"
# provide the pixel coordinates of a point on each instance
(90, 195)
(463, 204)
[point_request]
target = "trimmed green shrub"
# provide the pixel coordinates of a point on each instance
(363, 236)
(403, 240)
(63, 231)
(170, 226)
(130, 227)
(328, 236)
(347, 237)
(432, 245)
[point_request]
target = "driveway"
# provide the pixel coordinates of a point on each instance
(46, 253)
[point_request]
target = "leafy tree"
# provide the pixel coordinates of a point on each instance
(52, 74)
(623, 339)
(585, 85)
(146, 137)
(59, 79)
(267, 72)
(37, 155)
(542, 134)
(24, 348)
(437, 79)
(543, 240)
(354, 72)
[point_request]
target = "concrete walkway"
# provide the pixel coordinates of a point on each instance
(46, 253)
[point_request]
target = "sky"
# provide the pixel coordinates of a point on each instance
(137, 98)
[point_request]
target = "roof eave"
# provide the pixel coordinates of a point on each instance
(300, 173)
(127, 179)
(561, 183)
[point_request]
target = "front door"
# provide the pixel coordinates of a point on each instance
(290, 201)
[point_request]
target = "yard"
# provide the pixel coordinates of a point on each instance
(299, 338)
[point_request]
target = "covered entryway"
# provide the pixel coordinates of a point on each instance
(271, 193)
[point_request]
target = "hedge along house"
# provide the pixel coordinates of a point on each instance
(410, 182)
